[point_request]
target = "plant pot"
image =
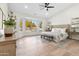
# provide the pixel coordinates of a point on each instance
(8, 31)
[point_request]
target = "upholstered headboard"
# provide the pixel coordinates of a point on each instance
(61, 26)
(67, 26)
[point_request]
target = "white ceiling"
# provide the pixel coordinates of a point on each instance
(34, 9)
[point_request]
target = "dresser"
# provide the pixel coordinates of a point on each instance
(7, 46)
(74, 34)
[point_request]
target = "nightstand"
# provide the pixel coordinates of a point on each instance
(74, 35)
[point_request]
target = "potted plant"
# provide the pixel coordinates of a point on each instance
(9, 25)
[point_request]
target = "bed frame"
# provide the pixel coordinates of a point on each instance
(49, 37)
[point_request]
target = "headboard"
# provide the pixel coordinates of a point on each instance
(67, 26)
(61, 26)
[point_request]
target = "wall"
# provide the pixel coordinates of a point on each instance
(66, 16)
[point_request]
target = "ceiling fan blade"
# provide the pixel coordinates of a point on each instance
(42, 5)
(46, 4)
(42, 8)
(50, 7)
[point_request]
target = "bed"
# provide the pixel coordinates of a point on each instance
(58, 33)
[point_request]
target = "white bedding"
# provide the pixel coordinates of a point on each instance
(57, 34)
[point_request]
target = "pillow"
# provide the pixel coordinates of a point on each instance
(59, 30)
(63, 29)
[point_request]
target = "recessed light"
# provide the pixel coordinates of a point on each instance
(26, 6)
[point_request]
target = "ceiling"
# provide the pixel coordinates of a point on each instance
(34, 9)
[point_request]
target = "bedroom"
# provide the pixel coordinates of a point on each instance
(41, 29)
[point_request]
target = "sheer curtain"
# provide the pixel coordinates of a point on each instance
(0, 18)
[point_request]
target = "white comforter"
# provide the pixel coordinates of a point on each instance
(58, 35)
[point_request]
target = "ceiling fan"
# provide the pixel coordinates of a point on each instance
(46, 6)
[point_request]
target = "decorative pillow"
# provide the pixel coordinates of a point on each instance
(59, 30)
(63, 29)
